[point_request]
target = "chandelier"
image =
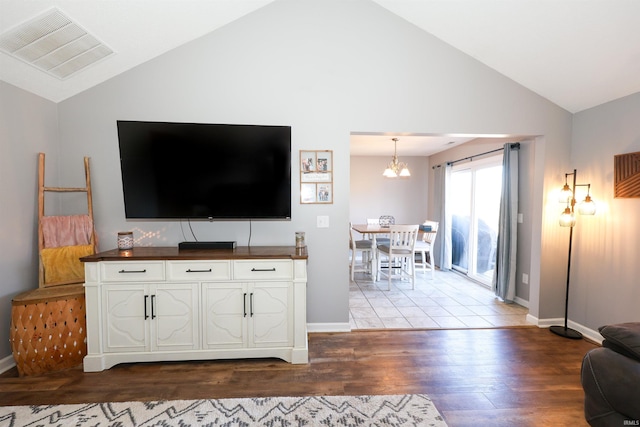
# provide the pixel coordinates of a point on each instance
(395, 168)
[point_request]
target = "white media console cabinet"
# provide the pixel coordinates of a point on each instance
(154, 304)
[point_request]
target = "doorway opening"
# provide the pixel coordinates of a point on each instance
(456, 298)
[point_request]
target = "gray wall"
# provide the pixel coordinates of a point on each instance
(327, 68)
(372, 195)
(28, 125)
(605, 265)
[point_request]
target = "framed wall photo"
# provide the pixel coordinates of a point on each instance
(626, 171)
(307, 161)
(307, 193)
(325, 193)
(316, 176)
(323, 161)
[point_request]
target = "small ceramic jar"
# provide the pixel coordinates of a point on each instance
(125, 240)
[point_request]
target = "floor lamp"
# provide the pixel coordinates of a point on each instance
(568, 219)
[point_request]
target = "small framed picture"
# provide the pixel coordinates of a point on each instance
(307, 161)
(316, 176)
(323, 162)
(325, 193)
(308, 193)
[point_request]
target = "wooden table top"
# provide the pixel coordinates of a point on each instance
(173, 253)
(376, 229)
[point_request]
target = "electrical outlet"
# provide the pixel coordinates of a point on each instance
(525, 278)
(520, 218)
(323, 221)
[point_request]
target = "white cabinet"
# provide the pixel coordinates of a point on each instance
(239, 315)
(163, 304)
(150, 317)
(124, 326)
(270, 315)
(224, 315)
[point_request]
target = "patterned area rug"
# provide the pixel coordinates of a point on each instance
(397, 410)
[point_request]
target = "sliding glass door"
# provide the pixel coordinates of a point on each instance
(475, 208)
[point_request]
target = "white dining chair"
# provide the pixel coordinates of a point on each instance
(399, 253)
(424, 248)
(379, 238)
(364, 248)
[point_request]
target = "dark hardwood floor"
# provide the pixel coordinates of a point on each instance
(481, 377)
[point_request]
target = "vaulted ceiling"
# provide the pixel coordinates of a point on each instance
(576, 53)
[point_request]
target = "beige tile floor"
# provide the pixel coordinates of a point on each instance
(448, 301)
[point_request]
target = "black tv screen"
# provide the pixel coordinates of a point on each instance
(205, 171)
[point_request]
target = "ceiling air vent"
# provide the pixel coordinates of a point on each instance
(54, 44)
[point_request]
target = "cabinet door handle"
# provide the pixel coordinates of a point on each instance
(198, 271)
(146, 315)
(132, 271)
(153, 303)
(251, 304)
(244, 304)
(263, 269)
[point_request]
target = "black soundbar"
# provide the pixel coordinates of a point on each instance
(206, 245)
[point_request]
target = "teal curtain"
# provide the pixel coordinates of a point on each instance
(504, 276)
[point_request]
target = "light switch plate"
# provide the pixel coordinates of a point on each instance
(323, 221)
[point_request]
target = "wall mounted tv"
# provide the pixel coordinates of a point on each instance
(205, 171)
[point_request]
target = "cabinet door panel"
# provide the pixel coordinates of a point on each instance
(175, 326)
(272, 319)
(125, 328)
(225, 306)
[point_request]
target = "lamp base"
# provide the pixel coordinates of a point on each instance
(566, 332)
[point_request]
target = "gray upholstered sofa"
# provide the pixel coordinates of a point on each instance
(611, 378)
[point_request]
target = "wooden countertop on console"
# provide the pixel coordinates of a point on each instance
(173, 253)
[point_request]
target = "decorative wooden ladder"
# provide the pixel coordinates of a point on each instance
(48, 325)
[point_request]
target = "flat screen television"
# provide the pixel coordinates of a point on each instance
(205, 171)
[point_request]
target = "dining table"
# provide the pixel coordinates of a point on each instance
(375, 231)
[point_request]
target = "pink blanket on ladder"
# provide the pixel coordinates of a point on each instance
(70, 230)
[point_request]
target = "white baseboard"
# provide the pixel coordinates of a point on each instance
(532, 319)
(545, 323)
(521, 302)
(328, 327)
(588, 333)
(541, 323)
(7, 363)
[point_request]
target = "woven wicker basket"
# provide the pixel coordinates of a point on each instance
(48, 329)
